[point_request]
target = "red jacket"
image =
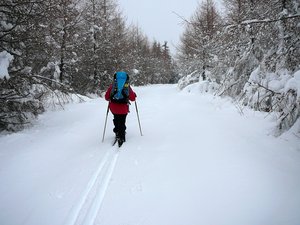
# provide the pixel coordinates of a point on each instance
(119, 108)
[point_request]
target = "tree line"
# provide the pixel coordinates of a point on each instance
(250, 52)
(70, 46)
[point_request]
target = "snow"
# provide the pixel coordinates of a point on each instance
(254, 76)
(135, 71)
(294, 83)
(198, 162)
(281, 82)
(189, 79)
(6, 26)
(5, 59)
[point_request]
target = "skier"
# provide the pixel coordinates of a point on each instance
(119, 94)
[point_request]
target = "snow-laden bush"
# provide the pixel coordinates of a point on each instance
(24, 96)
(54, 99)
(275, 92)
(189, 79)
(237, 76)
(18, 106)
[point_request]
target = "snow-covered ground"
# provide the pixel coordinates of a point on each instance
(199, 163)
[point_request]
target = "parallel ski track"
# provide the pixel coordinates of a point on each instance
(89, 204)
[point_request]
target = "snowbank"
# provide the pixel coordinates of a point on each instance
(201, 87)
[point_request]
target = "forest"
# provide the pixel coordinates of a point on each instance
(57, 48)
(51, 50)
(250, 53)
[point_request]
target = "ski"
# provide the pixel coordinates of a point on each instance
(120, 142)
(115, 141)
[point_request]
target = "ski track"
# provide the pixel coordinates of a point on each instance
(87, 208)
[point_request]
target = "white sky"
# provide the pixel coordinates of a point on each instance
(156, 17)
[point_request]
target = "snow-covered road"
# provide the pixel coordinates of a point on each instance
(199, 162)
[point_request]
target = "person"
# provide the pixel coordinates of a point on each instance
(119, 94)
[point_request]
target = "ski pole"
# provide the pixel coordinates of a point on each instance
(137, 113)
(105, 122)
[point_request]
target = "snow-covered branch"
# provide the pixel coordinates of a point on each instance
(256, 21)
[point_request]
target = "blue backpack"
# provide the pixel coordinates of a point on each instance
(120, 88)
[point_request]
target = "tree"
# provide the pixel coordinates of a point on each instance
(60, 47)
(251, 51)
(199, 42)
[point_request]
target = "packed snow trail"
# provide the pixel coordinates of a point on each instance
(199, 162)
(103, 173)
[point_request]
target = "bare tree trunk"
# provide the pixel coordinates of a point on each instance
(63, 53)
(94, 41)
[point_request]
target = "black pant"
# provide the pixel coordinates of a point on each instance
(120, 127)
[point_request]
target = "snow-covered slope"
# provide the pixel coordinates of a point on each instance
(199, 162)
